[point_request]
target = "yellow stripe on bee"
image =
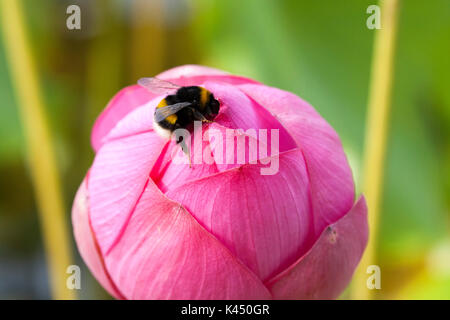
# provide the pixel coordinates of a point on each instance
(162, 103)
(170, 119)
(204, 96)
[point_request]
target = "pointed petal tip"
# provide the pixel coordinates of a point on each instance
(190, 70)
(125, 101)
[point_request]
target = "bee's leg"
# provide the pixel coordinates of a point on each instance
(186, 151)
(180, 139)
(199, 116)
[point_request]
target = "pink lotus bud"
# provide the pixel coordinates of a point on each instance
(150, 228)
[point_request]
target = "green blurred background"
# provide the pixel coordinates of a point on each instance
(320, 50)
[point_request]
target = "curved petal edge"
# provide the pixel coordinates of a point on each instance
(87, 245)
(325, 271)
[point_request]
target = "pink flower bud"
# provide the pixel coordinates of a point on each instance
(151, 228)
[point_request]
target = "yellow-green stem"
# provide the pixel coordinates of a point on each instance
(41, 157)
(376, 136)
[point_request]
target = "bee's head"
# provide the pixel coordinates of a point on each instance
(213, 108)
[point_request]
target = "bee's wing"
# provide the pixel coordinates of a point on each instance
(158, 86)
(164, 112)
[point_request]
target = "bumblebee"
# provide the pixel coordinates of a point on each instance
(181, 107)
